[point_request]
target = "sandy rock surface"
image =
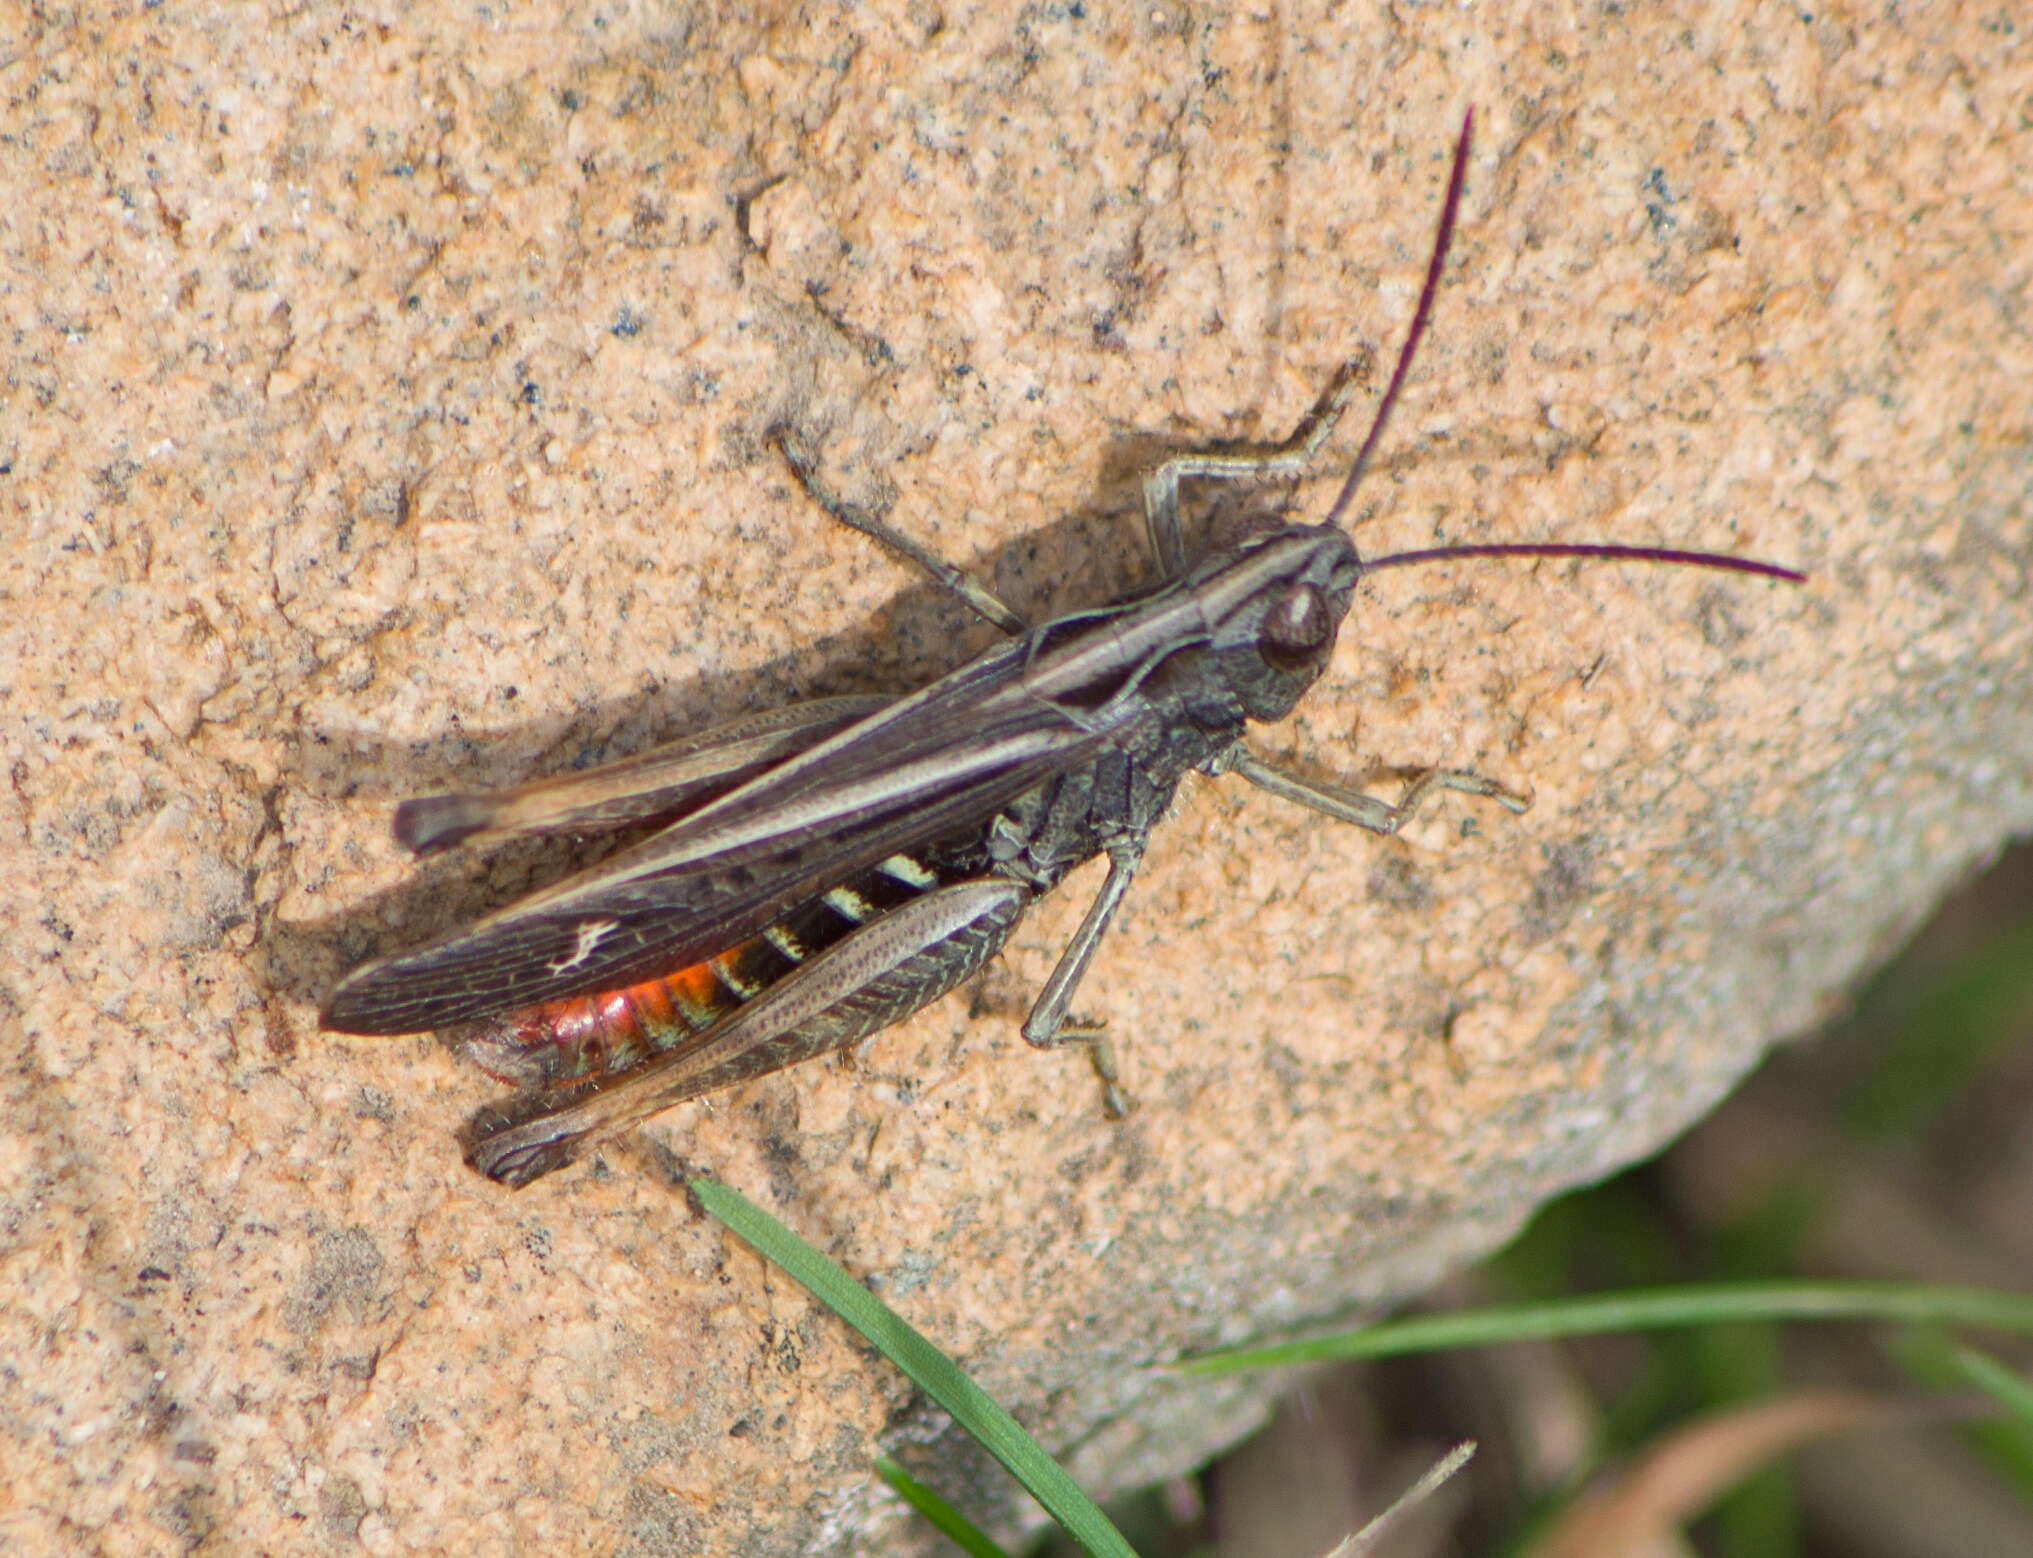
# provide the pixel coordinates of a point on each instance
(386, 407)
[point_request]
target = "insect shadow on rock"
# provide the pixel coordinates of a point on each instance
(836, 865)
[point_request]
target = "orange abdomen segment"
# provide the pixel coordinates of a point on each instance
(611, 1030)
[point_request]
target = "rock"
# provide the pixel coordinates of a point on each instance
(389, 400)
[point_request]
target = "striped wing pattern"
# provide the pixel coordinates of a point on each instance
(886, 785)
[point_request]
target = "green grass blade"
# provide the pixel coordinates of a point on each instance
(1941, 1361)
(961, 1531)
(936, 1374)
(1642, 1309)
(2002, 1384)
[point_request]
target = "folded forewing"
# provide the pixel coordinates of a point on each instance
(658, 783)
(926, 769)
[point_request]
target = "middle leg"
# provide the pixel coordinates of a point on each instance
(977, 596)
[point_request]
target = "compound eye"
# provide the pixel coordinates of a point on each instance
(1296, 630)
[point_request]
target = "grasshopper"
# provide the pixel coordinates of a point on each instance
(829, 868)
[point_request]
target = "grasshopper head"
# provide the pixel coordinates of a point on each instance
(1273, 607)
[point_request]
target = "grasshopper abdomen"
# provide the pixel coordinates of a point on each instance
(597, 1034)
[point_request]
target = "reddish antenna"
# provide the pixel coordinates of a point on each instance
(1434, 266)
(1595, 549)
(1601, 552)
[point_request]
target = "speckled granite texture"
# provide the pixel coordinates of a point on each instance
(384, 409)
